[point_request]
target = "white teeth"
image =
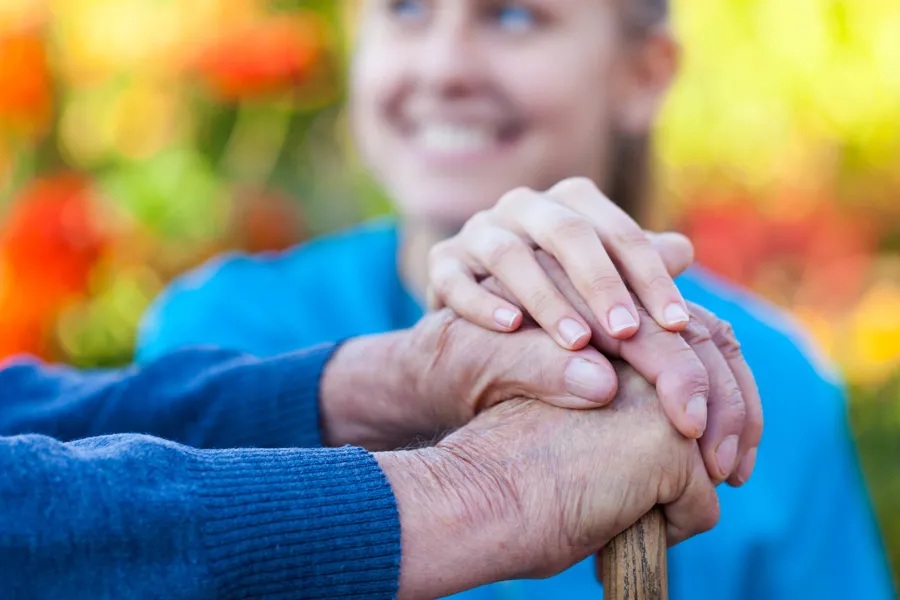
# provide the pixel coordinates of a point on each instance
(455, 138)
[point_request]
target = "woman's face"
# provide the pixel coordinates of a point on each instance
(455, 102)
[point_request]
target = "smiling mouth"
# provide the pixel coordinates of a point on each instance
(460, 139)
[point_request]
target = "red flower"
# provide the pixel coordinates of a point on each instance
(730, 239)
(273, 54)
(821, 256)
(51, 240)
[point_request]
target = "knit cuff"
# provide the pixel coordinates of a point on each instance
(317, 523)
(284, 411)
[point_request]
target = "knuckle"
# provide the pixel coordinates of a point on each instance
(710, 516)
(628, 235)
(605, 284)
(690, 372)
(695, 377)
(512, 199)
(441, 249)
(573, 187)
(570, 226)
(439, 254)
(499, 250)
(723, 334)
(443, 283)
(696, 333)
(540, 302)
(476, 222)
(659, 284)
(737, 408)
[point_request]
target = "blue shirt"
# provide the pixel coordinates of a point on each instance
(802, 527)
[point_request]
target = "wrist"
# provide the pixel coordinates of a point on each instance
(368, 394)
(459, 525)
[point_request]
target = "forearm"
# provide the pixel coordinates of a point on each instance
(205, 398)
(129, 516)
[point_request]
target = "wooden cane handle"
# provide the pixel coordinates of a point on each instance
(634, 562)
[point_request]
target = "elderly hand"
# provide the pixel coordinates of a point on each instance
(389, 390)
(527, 489)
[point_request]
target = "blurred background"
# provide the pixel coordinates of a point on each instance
(140, 137)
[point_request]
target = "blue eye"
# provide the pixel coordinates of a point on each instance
(408, 9)
(515, 17)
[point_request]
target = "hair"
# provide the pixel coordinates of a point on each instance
(631, 165)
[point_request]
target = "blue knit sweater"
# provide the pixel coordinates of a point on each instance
(87, 511)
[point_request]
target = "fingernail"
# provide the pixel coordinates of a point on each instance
(727, 453)
(620, 319)
(695, 411)
(675, 314)
(587, 380)
(572, 331)
(505, 317)
(745, 470)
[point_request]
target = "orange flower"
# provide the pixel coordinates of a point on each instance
(273, 54)
(25, 91)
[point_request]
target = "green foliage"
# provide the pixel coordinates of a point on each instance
(875, 415)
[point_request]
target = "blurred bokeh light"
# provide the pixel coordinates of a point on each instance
(140, 137)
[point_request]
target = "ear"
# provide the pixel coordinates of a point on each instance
(649, 70)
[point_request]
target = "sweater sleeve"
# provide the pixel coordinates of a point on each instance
(201, 397)
(131, 516)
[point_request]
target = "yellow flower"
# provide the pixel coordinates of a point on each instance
(96, 39)
(875, 333)
(133, 121)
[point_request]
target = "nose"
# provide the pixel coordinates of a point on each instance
(450, 63)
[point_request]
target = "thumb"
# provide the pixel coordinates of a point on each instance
(675, 249)
(538, 368)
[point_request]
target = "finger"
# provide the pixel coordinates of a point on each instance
(696, 510)
(666, 360)
(577, 380)
(573, 240)
(453, 284)
(725, 408)
(662, 357)
(512, 262)
(675, 250)
(725, 340)
(630, 249)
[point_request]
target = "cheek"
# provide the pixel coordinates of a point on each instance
(373, 76)
(570, 116)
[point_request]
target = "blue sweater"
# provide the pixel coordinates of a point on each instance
(89, 512)
(802, 527)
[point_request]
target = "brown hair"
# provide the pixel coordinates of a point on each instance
(631, 164)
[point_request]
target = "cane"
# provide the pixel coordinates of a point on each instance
(634, 562)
